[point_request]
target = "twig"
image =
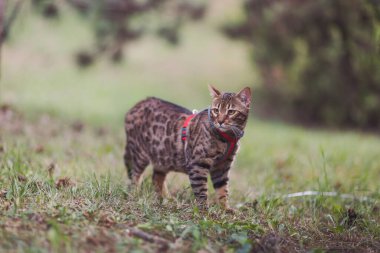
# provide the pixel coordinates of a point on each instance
(164, 244)
(328, 194)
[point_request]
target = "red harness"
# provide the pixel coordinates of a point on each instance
(231, 144)
(231, 141)
(185, 125)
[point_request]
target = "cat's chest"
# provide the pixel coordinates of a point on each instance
(209, 147)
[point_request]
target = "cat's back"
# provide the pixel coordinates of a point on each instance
(153, 110)
(153, 129)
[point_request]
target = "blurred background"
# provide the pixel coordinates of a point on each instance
(309, 62)
(70, 69)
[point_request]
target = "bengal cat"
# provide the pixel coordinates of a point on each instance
(171, 138)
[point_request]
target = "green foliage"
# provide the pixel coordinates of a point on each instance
(117, 23)
(318, 60)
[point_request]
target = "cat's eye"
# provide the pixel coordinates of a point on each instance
(231, 112)
(215, 111)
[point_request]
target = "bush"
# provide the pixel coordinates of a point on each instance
(319, 60)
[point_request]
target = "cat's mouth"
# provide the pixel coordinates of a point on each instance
(230, 129)
(223, 127)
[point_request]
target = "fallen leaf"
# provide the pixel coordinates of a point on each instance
(6, 205)
(51, 168)
(77, 126)
(3, 193)
(101, 131)
(21, 178)
(351, 216)
(39, 149)
(37, 218)
(106, 220)
(89, 215)
(63, 183)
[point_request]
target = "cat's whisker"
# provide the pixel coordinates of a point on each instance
(235, 132)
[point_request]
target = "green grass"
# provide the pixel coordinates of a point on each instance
(63, 185)
(95, 208)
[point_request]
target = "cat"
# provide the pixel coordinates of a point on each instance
(171, 138)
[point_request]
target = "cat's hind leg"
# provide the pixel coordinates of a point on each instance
(158, 180)
(135, 161)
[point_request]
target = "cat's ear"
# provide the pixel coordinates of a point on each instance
(245, 96)
(214, 92)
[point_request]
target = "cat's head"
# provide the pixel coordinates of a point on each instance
(229, 111)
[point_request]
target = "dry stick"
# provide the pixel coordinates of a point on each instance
(325, 194)
(328, 194)
(148, 237)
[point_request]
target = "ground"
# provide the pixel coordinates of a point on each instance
(64, 188)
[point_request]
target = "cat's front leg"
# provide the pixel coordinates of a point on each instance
(219, 177)
(198, 173)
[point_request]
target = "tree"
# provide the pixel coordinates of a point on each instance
(119, 22)
(319, 60)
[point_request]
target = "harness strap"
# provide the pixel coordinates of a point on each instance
(221, 135)
(230, 140)
(185, 126)
(231, 144)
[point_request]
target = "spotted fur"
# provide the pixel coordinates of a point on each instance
(153, 128)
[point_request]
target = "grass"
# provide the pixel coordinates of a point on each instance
(63, 186)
